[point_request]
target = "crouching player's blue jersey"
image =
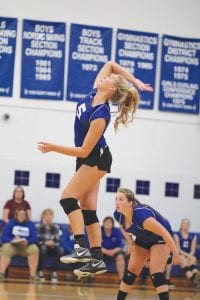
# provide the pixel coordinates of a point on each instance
(140, 214)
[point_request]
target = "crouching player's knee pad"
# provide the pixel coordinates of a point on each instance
(158, 279)
(90, 217)
(69, 205)
(129, 277)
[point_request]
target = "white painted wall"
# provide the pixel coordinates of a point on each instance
(158, 147)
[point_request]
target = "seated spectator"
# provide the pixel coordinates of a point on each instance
(48, 234)
(19, 238)
(112, 245)
(186, 243)
(1, 229)
(14, 203)
(67, 239)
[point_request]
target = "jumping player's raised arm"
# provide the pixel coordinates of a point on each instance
(114, 68)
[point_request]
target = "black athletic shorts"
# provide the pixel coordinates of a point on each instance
(147, 246)
(153, 240)
(101, 157)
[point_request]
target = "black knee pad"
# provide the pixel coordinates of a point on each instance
(129, 277)
(69, 205)
(158, 279)
(90, 217)
(164, 296)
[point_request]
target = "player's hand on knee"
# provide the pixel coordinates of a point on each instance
(131, 246)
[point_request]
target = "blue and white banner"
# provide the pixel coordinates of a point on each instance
(180, 75)
(8, 33)
(137, 52)
(43, 59)
(90, 49)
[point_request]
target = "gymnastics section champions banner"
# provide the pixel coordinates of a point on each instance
(90, 48)
(43, 59)
(8, 33)
(137, 52)
(180, 75)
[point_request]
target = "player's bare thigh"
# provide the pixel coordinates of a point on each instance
(89, 200)
(158, 258)
(137, 259)
(82, 182)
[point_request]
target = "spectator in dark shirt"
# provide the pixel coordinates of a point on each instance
(19, 238)
(14, 203)
(112, 245)
(48, 234)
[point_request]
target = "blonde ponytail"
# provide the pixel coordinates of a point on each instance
(127, 99)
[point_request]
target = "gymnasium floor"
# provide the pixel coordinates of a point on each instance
(21, 290)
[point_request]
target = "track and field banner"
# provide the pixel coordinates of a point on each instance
(8, 33)
(43, 59)
(180, 75)
(137, 52)
(90, 48)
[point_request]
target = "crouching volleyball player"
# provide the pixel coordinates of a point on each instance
(153, 241)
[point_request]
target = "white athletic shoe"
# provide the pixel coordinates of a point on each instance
(79, 254)
(93, 267)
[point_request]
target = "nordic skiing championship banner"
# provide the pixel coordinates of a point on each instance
(180, 75)
(90, 49)
(43, 59)
(8, 33)
(137, 52)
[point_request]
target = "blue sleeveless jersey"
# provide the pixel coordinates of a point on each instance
(140, 214)
(186, 243)
(85, 114)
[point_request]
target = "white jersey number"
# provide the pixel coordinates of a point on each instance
(80, 110)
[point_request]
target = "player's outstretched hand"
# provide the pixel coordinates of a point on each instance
(143, 86)
(45, 147)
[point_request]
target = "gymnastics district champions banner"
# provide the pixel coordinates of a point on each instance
(43, 59)
(90, 48)
(137, 52)
(180, 75)
(8, 33)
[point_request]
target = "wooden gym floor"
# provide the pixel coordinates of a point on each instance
(15, 289)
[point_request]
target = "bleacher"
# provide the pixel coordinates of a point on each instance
(19, 268)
